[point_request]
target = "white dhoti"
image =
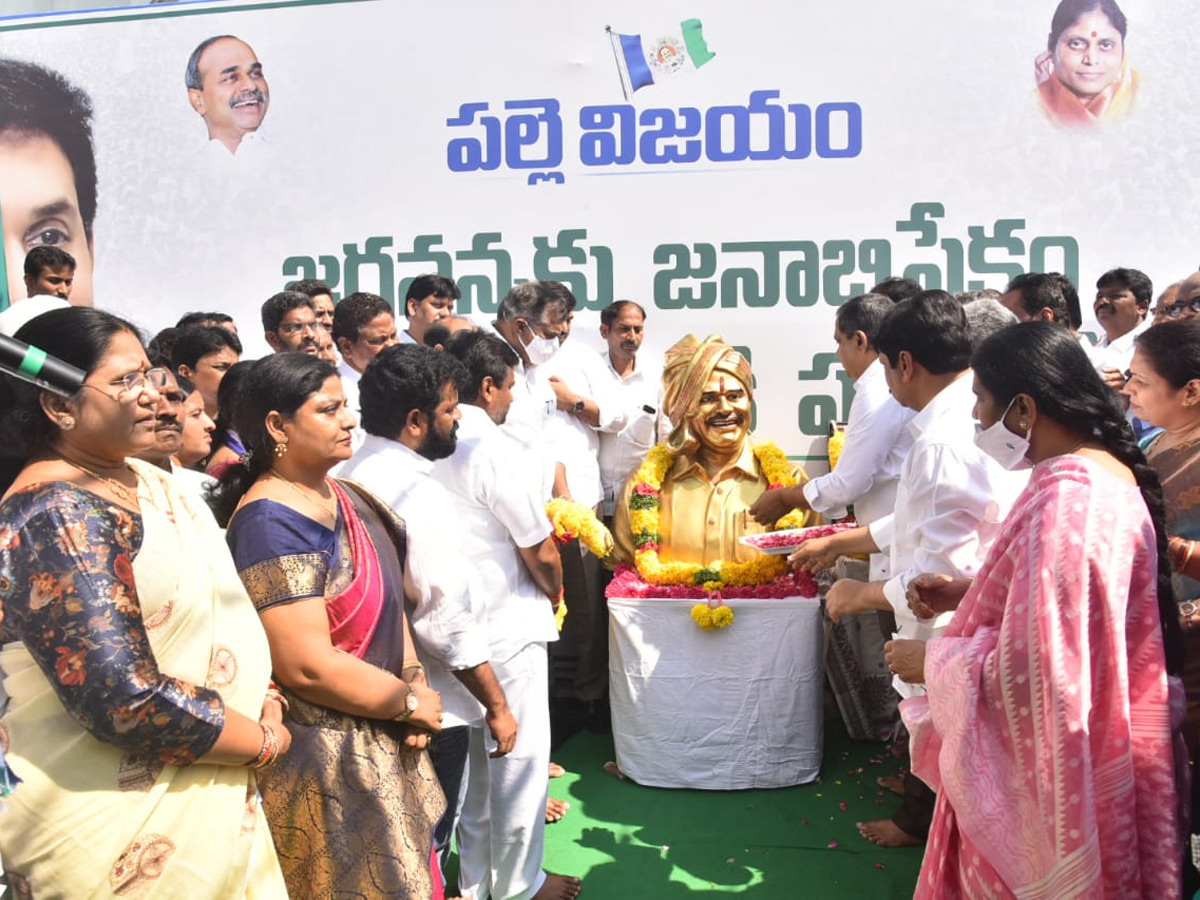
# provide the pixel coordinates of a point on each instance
(502, 829)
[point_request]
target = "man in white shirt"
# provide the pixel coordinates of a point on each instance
(866, 477)
(586, 402)
(624, 445)
(409, 398)
(532, 321)
(363, 326)
(950, 502)
(503, 530)
(429, 299)
(1122, 302)
(877, 436)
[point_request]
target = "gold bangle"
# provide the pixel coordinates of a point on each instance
(1187, 557)
(412, 664)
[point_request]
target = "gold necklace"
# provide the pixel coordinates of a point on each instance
(129, 496)
(319, 502)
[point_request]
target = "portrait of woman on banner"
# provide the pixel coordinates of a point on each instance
(1084, 77)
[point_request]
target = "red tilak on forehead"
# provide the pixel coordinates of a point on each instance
(1093, 34)
(722, 384)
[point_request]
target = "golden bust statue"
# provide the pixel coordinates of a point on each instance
(716, 474)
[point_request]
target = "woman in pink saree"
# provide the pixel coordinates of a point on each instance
(353, 811)
(1047, 727)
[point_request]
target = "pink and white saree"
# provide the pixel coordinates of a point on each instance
(1046, 728)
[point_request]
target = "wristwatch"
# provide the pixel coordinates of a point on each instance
(578, 407)
(410, 706)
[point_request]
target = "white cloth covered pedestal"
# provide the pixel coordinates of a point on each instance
(727, 709)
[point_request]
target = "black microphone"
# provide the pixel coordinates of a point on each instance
(36, 366)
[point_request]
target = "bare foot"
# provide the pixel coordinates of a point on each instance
(894, 783)
(611, 768)
(556, 771)
(555, 809)
(886, 833)
(559, 887)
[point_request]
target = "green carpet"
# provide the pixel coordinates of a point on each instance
(629, 842)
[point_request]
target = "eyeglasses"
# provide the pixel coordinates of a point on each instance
(136, 382)
(1175, 310)
(290, 328)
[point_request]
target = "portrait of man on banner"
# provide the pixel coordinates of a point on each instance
(228, 89)
(47, 173)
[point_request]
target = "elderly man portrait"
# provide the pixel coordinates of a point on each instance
(227, 88)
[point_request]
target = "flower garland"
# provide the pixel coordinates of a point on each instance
(644, 505)
(574, 520)
(837, 441)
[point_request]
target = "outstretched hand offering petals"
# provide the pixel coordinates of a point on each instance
(771, 506)
(814, 555)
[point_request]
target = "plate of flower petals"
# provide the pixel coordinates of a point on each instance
(777, 543)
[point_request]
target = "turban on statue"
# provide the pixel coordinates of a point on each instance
(690, 365)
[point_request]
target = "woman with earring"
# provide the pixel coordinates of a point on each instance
(354, 807)
(136, 670)
(1045, 728)
(1164, 391)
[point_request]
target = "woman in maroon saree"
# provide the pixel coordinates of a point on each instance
(354, 808)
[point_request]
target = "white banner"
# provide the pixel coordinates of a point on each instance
(740, 169)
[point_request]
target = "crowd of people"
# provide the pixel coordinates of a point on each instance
(303, 609)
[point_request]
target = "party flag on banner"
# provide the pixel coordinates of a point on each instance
(640, 63)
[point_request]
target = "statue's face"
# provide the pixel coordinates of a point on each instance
(722, 419)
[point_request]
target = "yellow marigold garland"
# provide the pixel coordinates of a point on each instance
(574, 520)
(837, 441)
(644, 521)
(571, 520)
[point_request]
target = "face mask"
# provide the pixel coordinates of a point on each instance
(538, 348)
(1002, 445)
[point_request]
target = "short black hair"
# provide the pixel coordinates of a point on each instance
(354, 312)
(402, 378)
(1042, 291)
(932, 327)
(612, 312)
(162, 344)
(202, 318)
(196, 341)
(484, 356)
(864, 313)
(1135, 281)
(558, 292)
(897, 289)
(439, 332)
(424, 285)
(277, 306)
(530, 301)
(314, 287)
(35, 100)
(46, 257)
